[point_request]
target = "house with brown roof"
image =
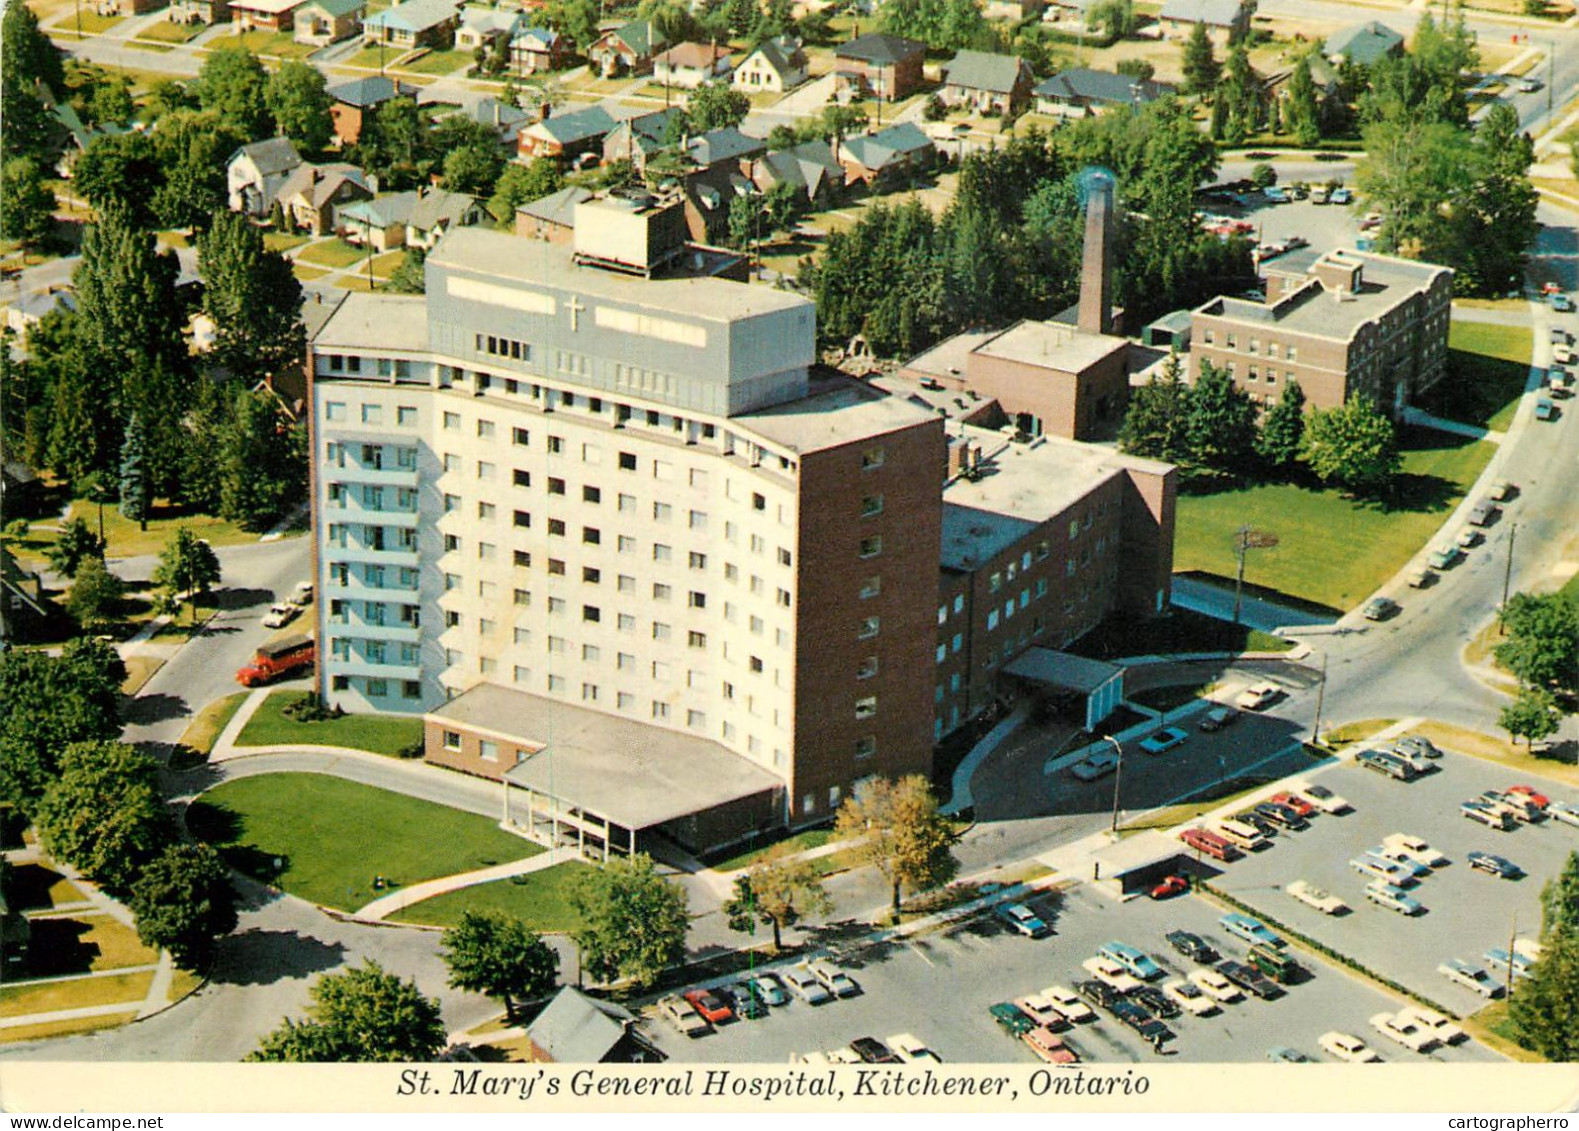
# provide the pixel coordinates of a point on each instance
(689, 65)
(887, 67)
(537, 49)
(263, 15)
(626, 50)
(307, 200)
(985, 81)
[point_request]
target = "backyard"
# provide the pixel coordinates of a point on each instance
(332, 837)
(1331, 550)
(380, 734)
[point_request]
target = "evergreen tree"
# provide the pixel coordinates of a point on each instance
(253, 298)
(27, 59)
(27, 206)
(1222, 421)
(1560, 899)
(95, 595)
(410, 278)
(1301, 115)
(1156, 424)
(76, 544)
(1201, 68)
(134, 474)
(126, 301)
(1545, 1010)
(1282, 428)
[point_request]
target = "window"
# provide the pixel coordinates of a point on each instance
(866, 708)
(485, 429)
(871, 587)
(698, 561)
(591, 495)
(452, 740)
(372, 414)
(661, 592)
(556, 606)
(523, 558)
(758, 502)
(591, 653)
(627, 544)
(556, 567)
(591, 535)
(627, 503)
(871, 459)
(521, 437)
(591, 613)
(627, 461)
(452, 619)
(696, 639)
(660, 710)
(872, 504)
(662, 512)
(661, 553)
(755, 664)
(992, 620)
(865, 746)
(871, 545)
(451, 543)
(869, 628)
(660, 631)
(783, 598)
(696, 600)
(334, 410)
(556, 445)
(784, 556)
(523, 519)
(556, 485)
(867, 668)
(486, 511)
(627, 622)
(556, 526)
(698, 520)
(452, 421)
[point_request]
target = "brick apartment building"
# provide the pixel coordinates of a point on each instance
(1344, 324)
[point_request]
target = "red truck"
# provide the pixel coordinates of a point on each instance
(283, 657)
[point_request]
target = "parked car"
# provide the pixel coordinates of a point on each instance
(1444, 556)
(1215, 986)
(1281, 815)
(1560, 302)
(1210, 843)
(1258, 695)
(1492, 817)
(710, 1005)
(1421, 578)
(1164, 740)
(1504, 489)
(1379, 869)
(1111, 973)
(1563, 811)
(1189, 997)
(1468, 538)
(1341, 196)
(302, 595)
(1249, 979)
(1132, 959)
(1501, 960)
(910, 1048)
(1257, 821)
(1470, 976)
(746, 1002)
(1404, 1031)
(1023, 920)
(1433, 1022)
(1483, 512)
(1069, 1004)
(1144, 1024)
(1295, 802)
(872, 1051)
(804, 985)
(1010, 1019)
(1347, 1048)
(1393, 898)
(1384, 763)
(280, 615)
(1217, 718)
(1417, 745)
(1097, 765)
(1315, 897)
(769, 989)
(1323, 798)
(1098, 993)
(1530, 794)
(1403, 846)
(1529, 86)
(836, 981)
(1494, 865)
(679, 1013)
(1380, 608)
(1048, 1046)
(1251, 930)
(1415, 870)
(1157, 1003)
(1281, 1055)
(1169, 887)
(1042, 1011)
(1544, 409)
(1191, 945)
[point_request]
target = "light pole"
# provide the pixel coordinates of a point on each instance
(1507, 571)
(1118, 776)
(1321, 695)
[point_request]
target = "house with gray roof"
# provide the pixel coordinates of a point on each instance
(1224, 19)
(414, 23)
(537, 49)
(725, 146)
(892, 154)
(255, 172)
(578, 1029)
(810, 167)
(627, 50)
(352, 102)
(566, 136)
(987, 82)
(888, 67)
(1366, 43)
(483, 27)
(775, 66)
(1080, 92)
(322, 22)
(639, 137)
(417, 218)
(308, 198)
(553, 217)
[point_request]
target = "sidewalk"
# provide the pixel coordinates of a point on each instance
(385, 906)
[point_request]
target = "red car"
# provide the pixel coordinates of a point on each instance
(1539, 800)
(709, 1005)
(1171, 886)
(1294, 802)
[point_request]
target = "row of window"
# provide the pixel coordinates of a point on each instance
(1252, 346)
(373, 497)
(377, 651)
(376, 687)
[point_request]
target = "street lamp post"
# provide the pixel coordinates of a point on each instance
(1118, 776)
(1321, 695)
(1507, 570)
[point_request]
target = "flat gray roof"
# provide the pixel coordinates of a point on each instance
(947, 358)
(837, 410)
(634, 774)
(477, 251)
(1385, 281)
(376, 321)
(1063, 669)
(1052, 345)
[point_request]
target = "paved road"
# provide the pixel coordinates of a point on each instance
(1218, 601)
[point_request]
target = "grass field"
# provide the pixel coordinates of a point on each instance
(1331, 550)
(539, 898)
(276, 43)
(124, 538)
(166, 32)
(61, 1028)
(331, 253)
(282, 241)
(800, 842)
(1487, 368)
(334, 836)
(76, 993)
(208, 724)
(439, 63)
(380, 734)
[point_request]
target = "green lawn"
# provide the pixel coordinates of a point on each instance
(539, 898)
(210, 722)
(276, 43)
(124, 538)
(1331, 550)
(282, 241)
(166, 32)
(1487, 368)
(372, 56)
(334, 836)
(331, 253)
(92, 23)
(800, 842)
(439, 62)
(381, 734)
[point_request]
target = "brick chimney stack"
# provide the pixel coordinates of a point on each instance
(1096, 264)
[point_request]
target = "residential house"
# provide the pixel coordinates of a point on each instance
(321, 22)
(726, 146)
(578, 1029)
(775, 66)
(626, 50)
(255, 172)
(1081, 92)
(885, 66)
(308, 198)
(1017, 11)
(125, 7)
(987, 82)
(263, 15)
(354, 101)
(28, 310)
(199, 11)
(414, 23)
(553, 217)
(485, 27)
(506, 121)
(566, 136)
(1366, 43)
(707, 195)
(637, 138)
(536, 49)
(1224, 19)
(689, 65)
(889, 155)
(23, 607)
(810, 167)
(416, 218)
(1071, 11)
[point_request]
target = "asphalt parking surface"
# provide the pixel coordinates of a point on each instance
(1467, 912)
(940, 986)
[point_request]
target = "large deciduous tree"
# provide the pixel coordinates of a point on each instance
(104, 814)
(95, 595)
(895, 826)
(634, 921)
(48, 703)
(489, 952)
(714, 105)
(234, 83)
(262, 459)
(188, 568)
(297, 98)
(1353, 446)
(253, 298)
(123, 170)
(1532, 716)
(27, 206)
(777, 891)
(1542, 648)
(362, 1015)
(521, 184)
(184, 902)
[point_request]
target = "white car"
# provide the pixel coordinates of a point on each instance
(1392, 898)
(1347, 1047)
(1322, 798)
(1216, 986)
(845, 1055)
(1040, 1010)
(1401, 846)
(1470, 976)
(1258, 695)
(1313, 896)
(1396, 1027)
(909, 1048)
(302, 595)
(835, 980)
(1097, 765)
(1429, 1019)
(1190, 997)
(280, 615)
(1111, 973)
(1564, 812)
(1069, 1004)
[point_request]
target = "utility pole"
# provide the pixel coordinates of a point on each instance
(1507, 572)
(1321, 695)
(1118, 776)
(1513, 933)
(1241, 544)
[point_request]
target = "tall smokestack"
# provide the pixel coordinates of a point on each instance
(1096, 266)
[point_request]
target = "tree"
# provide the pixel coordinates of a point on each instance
(1560, 899)
(1545, 1011)
(1221, 424)
(895, 826)
(134, 474)
(634, 921)
(253, 298)
(1532, 716)
(1282, 428)
(473, 169)
(1201, 68)
(715, 105)
(234, 83)
(298, 100)
(364, 1014)
(262, 461)
(76, 544)
(1301, 113)
(1116, 18)
(777, 891)
(1157, 421)
(1542, 648)
(188, 567)
(184, 901)
(95, 594)
(577, 19)
(521, 184)
(27, 59)
(192, 148)
(104, 814)
(49, 702)
(410, 278)
(120, 169)
(489, 952)
(1352, 446)
(27, 206)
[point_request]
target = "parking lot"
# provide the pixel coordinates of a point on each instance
(1466, 912)
(939, 988)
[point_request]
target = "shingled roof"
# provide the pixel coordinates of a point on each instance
(983, 70)
(880, 49)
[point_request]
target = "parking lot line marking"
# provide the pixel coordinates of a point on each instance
(922, 955)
